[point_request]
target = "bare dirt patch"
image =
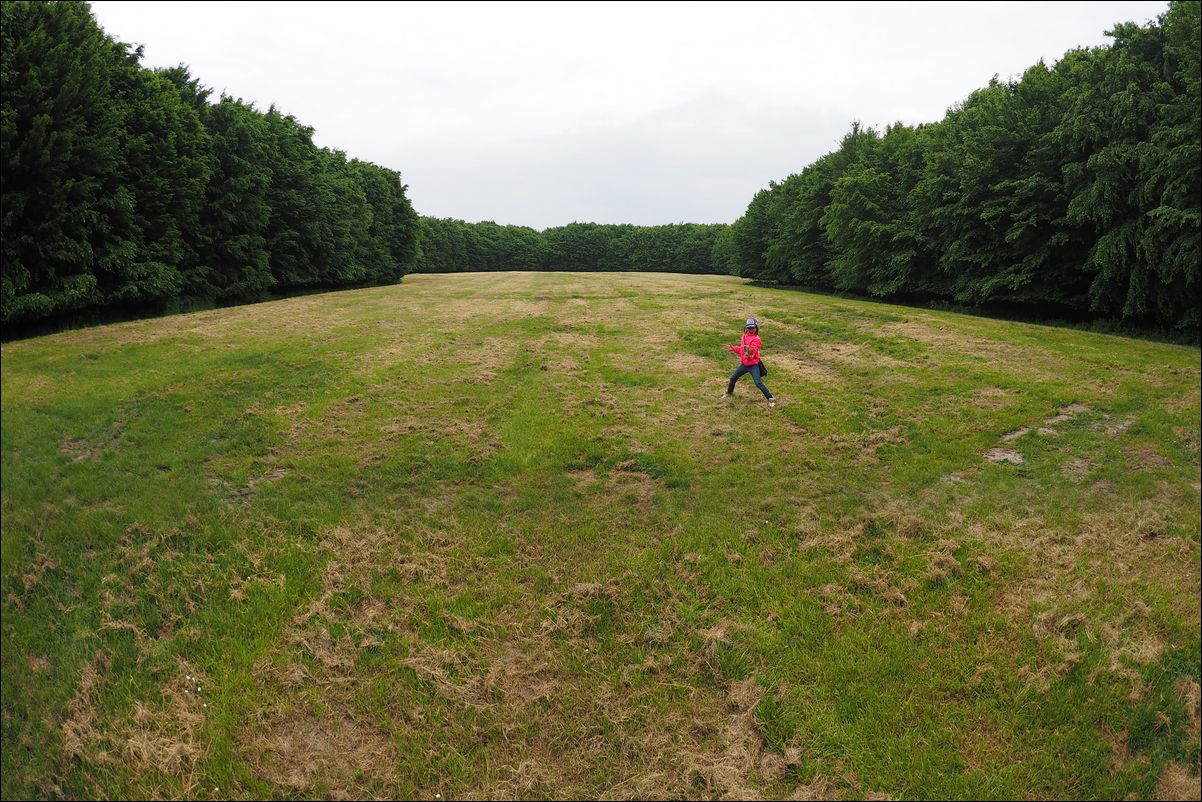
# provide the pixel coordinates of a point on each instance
(245, 492)
(1009, 455)
(1004, 455)
(79, 449)
(991, 397)
(1116, 429)
(1145, 458)
(1078, 467)
(1066, 413)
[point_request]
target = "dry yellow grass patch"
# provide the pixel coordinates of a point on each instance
(949, 341)
(293, 749)
(1179, 782)
(163, 736)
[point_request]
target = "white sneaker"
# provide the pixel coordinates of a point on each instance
(727, 395)
(771, 402)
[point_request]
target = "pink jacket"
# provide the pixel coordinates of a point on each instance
(748, 348)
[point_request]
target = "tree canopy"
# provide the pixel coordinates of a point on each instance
(1071, 190)
(126, 190)
(1074, 189)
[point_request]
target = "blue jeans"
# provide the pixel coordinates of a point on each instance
(754, 370)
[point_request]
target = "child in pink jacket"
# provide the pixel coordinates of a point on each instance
(748, 350)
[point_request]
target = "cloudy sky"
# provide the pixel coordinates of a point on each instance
(544, 113)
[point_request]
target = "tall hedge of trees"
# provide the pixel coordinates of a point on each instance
(451, 246)
(126, 190)
(1072, 190)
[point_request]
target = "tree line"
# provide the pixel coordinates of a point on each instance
(1072, 190)
(129, 190)
(450, 246)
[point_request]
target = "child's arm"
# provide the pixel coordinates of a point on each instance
(738, 349)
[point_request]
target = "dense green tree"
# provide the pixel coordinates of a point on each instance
(724, 256)
(576, 246)
(1075, 188)
(1038, 252)
(165, 170)
(127, 189)
(1130, 141)
(391, 244)
(751, 235)
(869, 224)
(235, 262)
(799, 249)
(61, 148)
(453, 246)
(440, 246)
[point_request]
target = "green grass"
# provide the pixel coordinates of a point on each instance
(497, 535)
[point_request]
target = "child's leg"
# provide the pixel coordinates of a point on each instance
(755, 377)
(734, 377)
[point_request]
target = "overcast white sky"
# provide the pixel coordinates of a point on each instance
(544, 113)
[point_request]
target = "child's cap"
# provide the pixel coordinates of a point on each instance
(752, 323)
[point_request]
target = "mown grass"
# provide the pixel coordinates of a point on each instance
(496, 535)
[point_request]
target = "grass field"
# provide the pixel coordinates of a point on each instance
(497, 535)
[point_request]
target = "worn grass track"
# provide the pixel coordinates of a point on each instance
(496, 535)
